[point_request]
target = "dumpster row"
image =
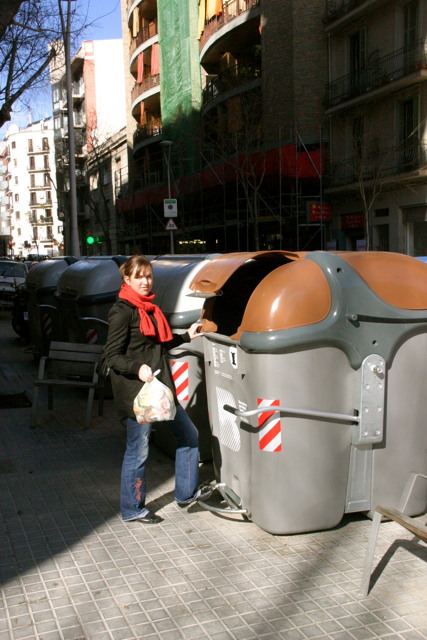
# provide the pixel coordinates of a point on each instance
(307, 386)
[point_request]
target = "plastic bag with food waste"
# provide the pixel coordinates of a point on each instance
(154, 403)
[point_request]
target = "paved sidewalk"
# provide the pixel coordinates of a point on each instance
(71, 570)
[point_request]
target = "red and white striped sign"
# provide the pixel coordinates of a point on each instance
(91, 336)
(180, 378)
(47, 324)
(270, 433)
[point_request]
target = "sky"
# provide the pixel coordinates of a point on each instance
(106, 16)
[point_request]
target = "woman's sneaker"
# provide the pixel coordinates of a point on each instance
(202, 493)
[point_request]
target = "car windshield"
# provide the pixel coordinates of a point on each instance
(12, 270)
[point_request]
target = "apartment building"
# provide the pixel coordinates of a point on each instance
(35, 227)
(99, 113)
(225, 100)
(376, 103)
(4, 203)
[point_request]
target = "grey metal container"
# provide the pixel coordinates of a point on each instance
(315, 374)
(43, 318)
(172, 275)
(85, 294)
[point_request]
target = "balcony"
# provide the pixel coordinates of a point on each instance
(153, 128)
(38, 150)
(380, 164)
(339, 13)
(148, 82)
(235, 77)
(231, 10)
(389, 71)
(145, 34)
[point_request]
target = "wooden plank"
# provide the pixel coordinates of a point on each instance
(414, 526)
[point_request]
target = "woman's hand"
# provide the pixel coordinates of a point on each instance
(145, 374)
(194, 330)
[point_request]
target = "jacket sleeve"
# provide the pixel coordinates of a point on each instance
(177, 340)
(117, 342)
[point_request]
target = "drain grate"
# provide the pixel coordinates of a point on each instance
(7, 466)
(14, 401)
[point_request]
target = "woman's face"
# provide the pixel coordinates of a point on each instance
(141, 280)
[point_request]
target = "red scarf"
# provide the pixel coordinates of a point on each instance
(144, 304)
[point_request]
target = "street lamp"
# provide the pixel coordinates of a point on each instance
(167, 144)
(75, 251)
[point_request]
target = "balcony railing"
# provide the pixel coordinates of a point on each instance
(336, 9)
(230, 79)
(148, 82)
(380, 164)
(230, 9)
(145, 34)
(387, 69)
(153, 128)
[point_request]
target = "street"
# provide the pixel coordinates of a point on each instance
(72, 570)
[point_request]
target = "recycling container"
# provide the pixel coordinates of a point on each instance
(172, 275)
(315, 373)
(85, 294)
(40, 287)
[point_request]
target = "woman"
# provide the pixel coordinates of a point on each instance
(138, 340)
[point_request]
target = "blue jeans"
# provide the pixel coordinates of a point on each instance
(132, 493)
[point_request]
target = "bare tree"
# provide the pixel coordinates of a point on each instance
(30, 34)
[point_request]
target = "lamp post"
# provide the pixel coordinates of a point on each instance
(75, 251)
(167, 144)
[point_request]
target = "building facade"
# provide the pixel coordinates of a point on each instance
(376, 104)
(225, 115)
(99, 113)
(5, 237)
(35, 227)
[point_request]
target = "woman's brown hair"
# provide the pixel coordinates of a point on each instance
(135, 262)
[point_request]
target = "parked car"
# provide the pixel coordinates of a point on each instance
(12, 274)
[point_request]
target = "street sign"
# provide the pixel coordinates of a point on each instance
(170, 208)
(318, 212)
(171, 226)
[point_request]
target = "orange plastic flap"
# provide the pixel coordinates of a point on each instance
(215, 273)
(396, 278)
(294, 295)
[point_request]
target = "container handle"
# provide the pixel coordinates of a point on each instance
(299, 412)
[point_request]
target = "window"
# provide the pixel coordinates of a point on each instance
(358, 51)
(18, 215)
(13, 145)
(35, 233)
(60, 229)
(33, 197)
(94, 181)
(16, 179)
(55, 95)
(409, 134)
(105, 175)
(48, 197)
(30, 146)
(46, 162)
(34, 216)
(32, 180)
(46, 180)
(45, 144)
(49, 234)
(19, 231)
(15, 162)
(32, 163)
(16, 197)
(48, 213)
(57, 123)
(411, 25)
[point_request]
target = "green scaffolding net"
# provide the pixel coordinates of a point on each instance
(180, 81)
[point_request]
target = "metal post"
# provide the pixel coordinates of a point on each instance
(168, 143)
(75, 251)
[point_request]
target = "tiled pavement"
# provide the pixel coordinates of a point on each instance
(71, 570)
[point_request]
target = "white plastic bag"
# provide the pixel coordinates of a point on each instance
(154, 403)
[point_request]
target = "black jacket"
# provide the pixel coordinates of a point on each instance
(127, 349)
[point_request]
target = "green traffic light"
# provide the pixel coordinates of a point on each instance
(90, 239)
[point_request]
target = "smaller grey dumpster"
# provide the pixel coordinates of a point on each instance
(86, 292)
(172, 275)
(315, 368)
(40, 286)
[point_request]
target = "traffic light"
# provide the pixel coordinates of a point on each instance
(90, 240)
